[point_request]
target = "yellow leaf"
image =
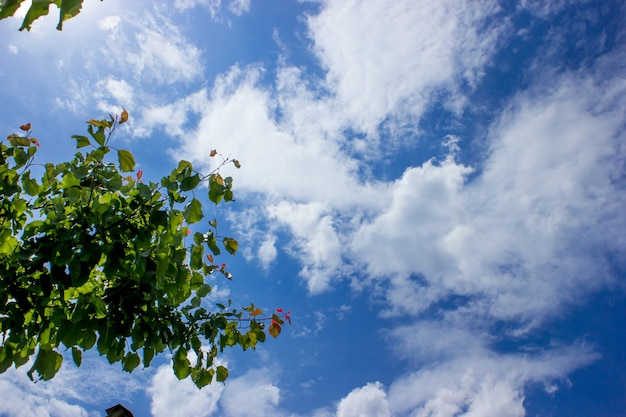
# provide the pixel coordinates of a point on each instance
(124, 116)
(274, 330)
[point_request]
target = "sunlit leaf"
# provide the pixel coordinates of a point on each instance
(81, 141)
(126, 160)
(9, 7)
(69, 180)
(193, 211)
(124, 116)
(37, 9)
(231, 245)
(98, 135)
(181, 365)
(221, 374)
(274, 329)
(204, 377)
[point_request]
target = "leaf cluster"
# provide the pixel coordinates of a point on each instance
(38, 8)
(92, 257)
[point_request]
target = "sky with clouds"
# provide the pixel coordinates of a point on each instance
(435, 190)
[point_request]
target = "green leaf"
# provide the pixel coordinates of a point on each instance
(86, 339)
(203, 377)
(9, 7)
(81, 141)
(236, 163)
(228, 195)
(8, 242)
(189, 183)
(69, 9)
(222, 373)
(18, 140)
(126, 160)
(6, 360)
(100, 307)
(69, 180)
(216, 192)
(131, 361)
(148, 354)
(47, 364)
(182, 366)
(98, 135)
(77, 356)
(30, 186)
(197, 251)
(203, 290)
(20, 157)
(193, 211)
(37, 9)
(231, 245)
(212, 242)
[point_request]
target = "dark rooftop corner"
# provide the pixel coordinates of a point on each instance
(119, 411)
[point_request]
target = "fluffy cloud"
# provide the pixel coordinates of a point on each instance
(459, 376)
(367, 401)
(252, 394)
(483, 385)
(172, 397)
(518, 237)
(316, 240)
(71, 392)
(384, 59)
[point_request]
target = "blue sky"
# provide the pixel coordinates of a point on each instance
(435, 190)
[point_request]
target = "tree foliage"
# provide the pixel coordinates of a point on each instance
(38, 8)
(93, 257)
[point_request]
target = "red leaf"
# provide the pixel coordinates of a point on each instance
(25, 127)
(279, 310)
(210, 258)
(139, 175)
(213, 153)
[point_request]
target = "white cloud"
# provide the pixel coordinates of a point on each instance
(154, 51)
(485, 385)
(252, 394)
(385, 59)
(239, 7)
(13, 50)
(120, 92)
(267, 251)
(367, 401)
(316, 240)
(513, 237)
(236, 7)
(73, 391)
(173, 398)
(110, 23)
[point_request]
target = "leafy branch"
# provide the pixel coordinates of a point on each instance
(91, 257)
